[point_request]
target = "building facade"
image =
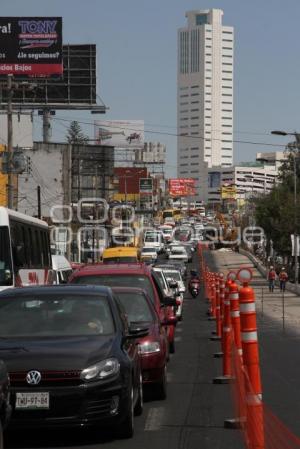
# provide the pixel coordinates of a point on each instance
(153, 152)
(245, 180)
(204, 96)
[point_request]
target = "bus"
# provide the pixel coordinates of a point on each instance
(121, 254)
(25, 256)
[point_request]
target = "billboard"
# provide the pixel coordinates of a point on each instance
(77, 87)
(31, 46)
(120, 133)
(182, 187)
(228, 192)
(146, 186)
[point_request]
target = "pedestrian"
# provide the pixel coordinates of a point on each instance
(271, 279)
(283, 277)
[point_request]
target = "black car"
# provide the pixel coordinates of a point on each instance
(5, 408)
(71, 356)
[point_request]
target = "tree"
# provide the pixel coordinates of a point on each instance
(277, 212)
(75, 134)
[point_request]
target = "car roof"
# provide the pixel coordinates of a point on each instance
(98, 269)
(61, 289)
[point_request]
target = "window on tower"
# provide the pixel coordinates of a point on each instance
(201, 19)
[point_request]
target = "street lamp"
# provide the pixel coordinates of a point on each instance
(295, 145)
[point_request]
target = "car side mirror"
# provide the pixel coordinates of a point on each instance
(170, 321)
(168, 301)
(137, 331)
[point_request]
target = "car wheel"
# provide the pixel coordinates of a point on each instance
(172, 347)
(161, 387)
(126, 427)
(138, 409)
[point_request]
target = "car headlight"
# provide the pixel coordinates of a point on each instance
(149, 347)
(101, 370)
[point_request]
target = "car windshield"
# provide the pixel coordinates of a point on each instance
(170, 274)
(120, 259)
(118, 280)
(55, 315)
(149, 250)
(136, 306)
(5, 257)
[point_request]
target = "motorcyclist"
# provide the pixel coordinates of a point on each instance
(194, 280)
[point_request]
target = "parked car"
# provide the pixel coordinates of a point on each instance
(154, 347)
(72, 358)
(137, 275)
(5, 407)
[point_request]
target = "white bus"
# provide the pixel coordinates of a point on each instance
(25, 257)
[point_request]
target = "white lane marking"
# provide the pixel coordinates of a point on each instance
(170, 377)
(154, 419)
(177, 339)
(178, 329)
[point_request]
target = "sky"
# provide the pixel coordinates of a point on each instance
(137, 64)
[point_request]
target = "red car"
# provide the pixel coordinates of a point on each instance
(132, 275)
(153, 348)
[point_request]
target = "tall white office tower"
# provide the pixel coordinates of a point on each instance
(204, 96)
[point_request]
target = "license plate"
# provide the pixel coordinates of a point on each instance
(32, 400)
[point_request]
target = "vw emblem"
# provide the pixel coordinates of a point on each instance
(33, 377)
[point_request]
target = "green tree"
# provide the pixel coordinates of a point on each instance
(75, 134)
(276, 212)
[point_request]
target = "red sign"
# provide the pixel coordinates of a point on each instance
(182, 187)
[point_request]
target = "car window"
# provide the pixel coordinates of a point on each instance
(136, 306)
(118, 280)
(55, 315)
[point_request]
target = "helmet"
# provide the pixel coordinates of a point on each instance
(283, 268)
(271, 267)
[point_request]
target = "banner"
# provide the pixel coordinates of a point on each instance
(146, 186)
(120, 134)
(31, 46)
(228, 192)
(182, 187)
(293, 244)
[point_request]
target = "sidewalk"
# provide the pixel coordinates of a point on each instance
(279, 340)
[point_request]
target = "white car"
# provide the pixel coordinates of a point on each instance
(148, 253)
(154, 239)
(174, 275)
(178, 253)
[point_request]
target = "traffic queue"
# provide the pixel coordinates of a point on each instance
(81, 352)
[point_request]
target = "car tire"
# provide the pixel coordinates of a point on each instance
(172, 347)
(138, 409)
(126, 427)
(161, 387)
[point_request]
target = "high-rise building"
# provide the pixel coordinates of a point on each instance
(204, 96)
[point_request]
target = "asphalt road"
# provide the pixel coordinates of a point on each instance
(191, 417)
(279, 343)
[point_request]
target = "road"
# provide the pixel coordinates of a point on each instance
(191, 417)
(279, 341)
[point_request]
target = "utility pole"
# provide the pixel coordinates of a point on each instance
(10, 187)
(46, 125)
(39, 202)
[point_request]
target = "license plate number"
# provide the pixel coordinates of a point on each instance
(32, 400)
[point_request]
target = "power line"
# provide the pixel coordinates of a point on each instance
(187, 136)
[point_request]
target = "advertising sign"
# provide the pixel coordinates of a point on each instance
(120, 134)
(228, 192)
(31, 46)
(146, 186)
(182, 187)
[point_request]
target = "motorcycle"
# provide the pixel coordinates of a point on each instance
(194, 288)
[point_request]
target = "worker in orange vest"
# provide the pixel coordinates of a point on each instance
(283, 277)
(271, 278)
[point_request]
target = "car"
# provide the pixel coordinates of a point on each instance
(173, 274)
(154, 347)
(132, 275)
(174, 264)
(5, 407)
(72, 358)
(178, 253)
(148, 253)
